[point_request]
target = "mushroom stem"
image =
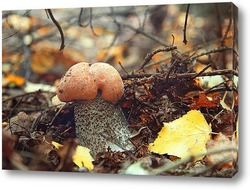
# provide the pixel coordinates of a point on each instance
(100, 124)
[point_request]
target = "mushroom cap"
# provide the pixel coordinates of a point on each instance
(83, 80)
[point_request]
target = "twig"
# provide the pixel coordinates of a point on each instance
(80, 19)
(171, 68)
(123, 68)
(211, 51)
(140, 31)
(26, 94)
(16, 32)
(58, 27)
(145, 17)
(90, 22)
(226, 32)
(187, 52)
(150, 55)
(202, 71)
(183, 75)
(185, 26)
(118, 32)
(168, 167)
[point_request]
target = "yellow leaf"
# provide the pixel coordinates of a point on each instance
(57, 145)
(81, 156)
(183, 137)
(16, 80)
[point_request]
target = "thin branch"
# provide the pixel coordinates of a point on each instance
(226, 32)
(36, 93)
(90, 22)
(211, 51)
(58, 27)
(150, 55)
(80, 23)
(150, 36)
(184, 75)
(11, 35)
(145, 17)
(202, 71)
(168, 167)
(123, 68)
(118, 32)
(185, 26)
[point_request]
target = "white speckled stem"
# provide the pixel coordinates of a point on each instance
(99, 124)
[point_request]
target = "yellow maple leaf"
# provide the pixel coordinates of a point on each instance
(183, 137)
(81, 156)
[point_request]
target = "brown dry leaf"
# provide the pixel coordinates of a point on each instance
(43, 147)
(19, 124)
(184, 137)
(43, 60)
(10, 158)
(205, 101)
(47, 56)
(225, 158)
(66, 153)
(116, 53)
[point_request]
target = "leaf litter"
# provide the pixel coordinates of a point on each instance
(160, 93)
(165, 131)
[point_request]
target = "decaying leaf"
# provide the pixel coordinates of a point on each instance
(226, 158)
(204, 100)
(184, 137)
(81, 157)
(19, 124)
(10, 158)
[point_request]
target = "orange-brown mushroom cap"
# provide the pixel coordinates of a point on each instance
(83, 80)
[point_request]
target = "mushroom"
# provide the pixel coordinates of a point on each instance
(95, 89)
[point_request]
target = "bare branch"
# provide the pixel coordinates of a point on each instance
(58, 27)
(184, 75)
(80, 22)
(185, 26)
(150, 55)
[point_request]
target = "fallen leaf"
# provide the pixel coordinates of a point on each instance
(81, 157)
(115, 53)
(33, 87)
(15, 80)
(46, 58)
(224, 158)
(183, 137)
(19, 124)
(10, 158)
(205, 101)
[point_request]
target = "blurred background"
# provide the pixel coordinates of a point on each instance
(121, 36)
